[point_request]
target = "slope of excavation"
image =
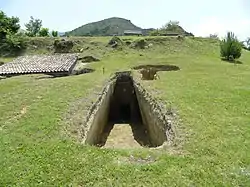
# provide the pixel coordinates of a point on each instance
(124, 117)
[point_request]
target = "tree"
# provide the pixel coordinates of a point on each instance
(54, 33)
(43, 32)
(33, 27)
(8, 25)
(172, 26)
(230, 47)
(10, 41)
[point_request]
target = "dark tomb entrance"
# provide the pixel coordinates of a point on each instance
(124, 109)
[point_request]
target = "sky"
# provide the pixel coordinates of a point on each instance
(201, 17)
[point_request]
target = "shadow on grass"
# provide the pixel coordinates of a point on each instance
(3, 77)
(43, 76)
(232, 62)
(50, 76)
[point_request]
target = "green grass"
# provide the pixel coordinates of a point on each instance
(211, 96)
(5, 60)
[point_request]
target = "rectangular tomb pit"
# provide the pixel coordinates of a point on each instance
(125, 116)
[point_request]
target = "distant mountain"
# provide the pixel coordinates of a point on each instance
(61, 33)
(106, 27)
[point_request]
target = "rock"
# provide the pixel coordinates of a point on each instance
(63, 46)
(150, 45)
(231, 58)
(76, 42)
(114, 45)
(88, 58)
(82, 49)
(49, 48)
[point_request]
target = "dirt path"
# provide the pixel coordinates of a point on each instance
(121, 136)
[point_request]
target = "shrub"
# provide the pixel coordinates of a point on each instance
(54, 33)
(44, 32)
(13, 44)
(230, 47)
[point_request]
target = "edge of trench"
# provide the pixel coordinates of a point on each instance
(161, 119)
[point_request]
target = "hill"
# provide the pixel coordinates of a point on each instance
(106, 27)
(117, 26)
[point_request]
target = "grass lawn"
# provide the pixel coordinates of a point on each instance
(5, 60)
(212, 98)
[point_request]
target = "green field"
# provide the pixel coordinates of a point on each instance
(39, 118)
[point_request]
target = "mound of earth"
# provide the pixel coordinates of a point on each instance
(88, 58)
(63, 46)
(139, 44)
(115, 42)
(82, 70)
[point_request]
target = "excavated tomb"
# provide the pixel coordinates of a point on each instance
(125, 101)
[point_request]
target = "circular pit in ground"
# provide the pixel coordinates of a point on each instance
(158, 67)
(149, 72)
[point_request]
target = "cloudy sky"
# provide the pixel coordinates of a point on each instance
(202, 17)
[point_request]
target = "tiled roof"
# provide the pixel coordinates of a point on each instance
(40, 64)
